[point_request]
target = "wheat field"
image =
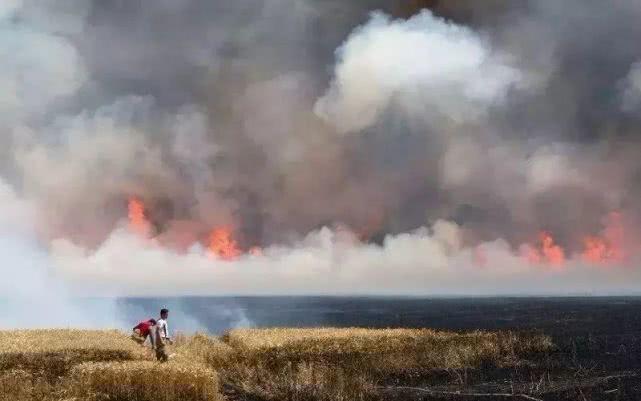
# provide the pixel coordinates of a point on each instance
(269, 364)
(144, 381)
(95, 365)
(349, 363)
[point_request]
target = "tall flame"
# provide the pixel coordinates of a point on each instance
(608, 247)
(223, 245)
(552, 253)
(221, 242)
(138, 222)
(596, 250)
(545, 252)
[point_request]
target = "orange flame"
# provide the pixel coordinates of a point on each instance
(223, 245)
(552, 253)
(607, 247)
(546, 251)
(596, 250)
(138, 222)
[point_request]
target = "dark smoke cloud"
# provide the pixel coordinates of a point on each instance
(187, 90)
(496, 119)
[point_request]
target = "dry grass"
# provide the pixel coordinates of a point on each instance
(275, 337)
(342, 364)
(66, 339)
(393, 348)
(201, 348)
(66, 364)
(273, 364)
(144, 381)
(52, 353)
(19, 385)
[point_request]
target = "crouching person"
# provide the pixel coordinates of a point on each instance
(144, 330)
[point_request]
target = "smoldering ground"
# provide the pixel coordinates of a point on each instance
(404, 150)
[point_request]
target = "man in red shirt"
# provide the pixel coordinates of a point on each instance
(143, 330)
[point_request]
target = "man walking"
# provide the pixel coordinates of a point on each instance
(162, 336)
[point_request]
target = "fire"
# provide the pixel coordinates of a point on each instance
(604, 248)
(220, 243)
(223, 245)
(607, 247)
(596, 250)
(552, 253)
(138, 222)
(545, 252)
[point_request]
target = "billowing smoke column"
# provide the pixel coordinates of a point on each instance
(209, 147)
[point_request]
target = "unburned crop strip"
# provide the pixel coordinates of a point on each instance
(52, 353)
(328, 364)
(144, 381)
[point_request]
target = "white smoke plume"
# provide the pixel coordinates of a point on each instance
(31, 292)
(425, 63)
(425, 262)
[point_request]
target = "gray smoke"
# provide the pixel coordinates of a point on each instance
(367, 147)
(631, 89)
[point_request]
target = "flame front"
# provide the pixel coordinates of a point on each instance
(552, 253)
(545, 252)
(596, 250)
(223, 245)
(138, 222)
(606, 248)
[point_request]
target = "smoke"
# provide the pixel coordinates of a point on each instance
(631, 95)
(351, 150)
(425, 64)
(40, 65)
(32, 294)
(426, 261)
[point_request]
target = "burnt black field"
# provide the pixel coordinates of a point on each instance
(598, 339)
(616, 317)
